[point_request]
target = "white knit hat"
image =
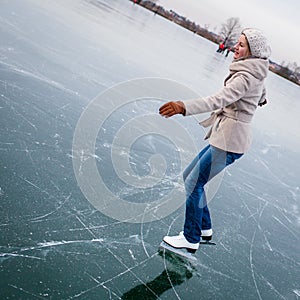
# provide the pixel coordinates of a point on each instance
(257, 42)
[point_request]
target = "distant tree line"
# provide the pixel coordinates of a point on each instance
(229, 33)
(290, 71)
(180, 20)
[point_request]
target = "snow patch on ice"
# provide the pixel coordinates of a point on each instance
(58, 243)
(297, 292)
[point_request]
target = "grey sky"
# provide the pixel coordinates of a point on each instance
(278, 19)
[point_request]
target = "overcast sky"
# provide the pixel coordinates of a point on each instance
(278, 19)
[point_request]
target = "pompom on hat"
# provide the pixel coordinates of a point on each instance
(258, 43)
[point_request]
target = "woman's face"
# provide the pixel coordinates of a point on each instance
(241, 48)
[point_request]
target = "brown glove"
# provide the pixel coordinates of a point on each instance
(172, 108)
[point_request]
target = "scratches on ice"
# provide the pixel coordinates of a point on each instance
(39, 218)
(39, 77)
(26, 292)
(286, 227)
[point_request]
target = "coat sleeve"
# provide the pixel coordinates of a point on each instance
(232, 92)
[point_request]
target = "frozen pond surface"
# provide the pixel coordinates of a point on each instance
(55, 58)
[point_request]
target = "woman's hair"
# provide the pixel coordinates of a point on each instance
(247, 43)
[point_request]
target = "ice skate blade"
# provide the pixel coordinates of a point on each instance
(207, 242)
(183, 253)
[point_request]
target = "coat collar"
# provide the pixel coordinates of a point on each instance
(257, 67)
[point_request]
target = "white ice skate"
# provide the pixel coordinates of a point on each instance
(178, 245)
(180, 242)
(206, 235)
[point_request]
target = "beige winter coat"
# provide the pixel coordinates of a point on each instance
(234, 105)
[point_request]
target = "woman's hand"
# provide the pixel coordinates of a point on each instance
(172, 108)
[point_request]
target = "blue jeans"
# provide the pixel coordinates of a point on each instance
(209, 162)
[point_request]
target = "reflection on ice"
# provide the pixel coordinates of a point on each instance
(175, 273)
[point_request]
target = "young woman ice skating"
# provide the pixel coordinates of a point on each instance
(229, 136)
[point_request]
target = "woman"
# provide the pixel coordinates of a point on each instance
(230, 134)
